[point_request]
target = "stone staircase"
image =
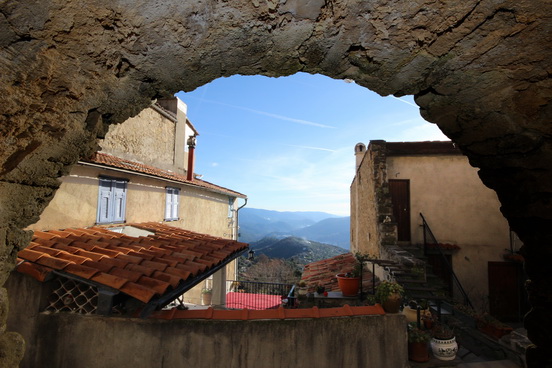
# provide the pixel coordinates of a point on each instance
(416, 276)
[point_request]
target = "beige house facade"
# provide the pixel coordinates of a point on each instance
(395, 182)
(143, 177)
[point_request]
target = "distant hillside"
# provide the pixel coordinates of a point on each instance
(256, 224)
(300, 250)
(330, 231)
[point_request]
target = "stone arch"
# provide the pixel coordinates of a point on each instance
(480, 70)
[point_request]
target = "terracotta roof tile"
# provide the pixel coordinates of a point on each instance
(142, 293)
(112, 161)
(112, 281)
(83, 271)
(53, 262)
(141, 267)
(127, 274)
(37, 271)
(99, 266)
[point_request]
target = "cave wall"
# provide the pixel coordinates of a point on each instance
(479, 69)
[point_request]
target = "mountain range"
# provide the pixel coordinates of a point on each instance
(256, 224)
(299, 250)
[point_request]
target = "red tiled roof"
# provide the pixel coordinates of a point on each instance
(279, 313)
(323, 272)
(141, 267)
(121, 163)
(252, 301)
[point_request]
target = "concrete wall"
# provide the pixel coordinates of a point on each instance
(75, 341)
(459, 209)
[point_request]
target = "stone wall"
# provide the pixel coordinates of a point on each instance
(480, 70)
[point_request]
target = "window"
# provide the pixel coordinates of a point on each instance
(231, 206)
(111, 200)
(171, 204)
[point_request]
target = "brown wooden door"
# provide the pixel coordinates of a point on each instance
(400, 196)
(505, 302)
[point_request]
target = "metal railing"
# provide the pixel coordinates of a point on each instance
(429, 239)
(259, 295)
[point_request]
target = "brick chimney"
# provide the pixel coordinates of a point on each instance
(191, 159)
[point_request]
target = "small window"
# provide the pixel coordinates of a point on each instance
(171, 203)
(111, 201)
(231, 201)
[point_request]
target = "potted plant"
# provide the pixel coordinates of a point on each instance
(206, 296)
(492, 326)
(389, 294)
(411, 310)
(443, 343)
(302, 288)
(349, 283)
(418, 340)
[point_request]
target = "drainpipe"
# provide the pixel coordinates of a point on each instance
(191, 148)
(238, 219)
(237, 226)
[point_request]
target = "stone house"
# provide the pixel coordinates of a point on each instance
(144, 172)
(398, 182)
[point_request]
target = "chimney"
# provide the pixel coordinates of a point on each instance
(191, 159)
(360, 150)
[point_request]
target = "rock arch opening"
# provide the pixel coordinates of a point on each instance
(480, 71)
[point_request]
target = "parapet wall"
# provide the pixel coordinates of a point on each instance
(75, 341)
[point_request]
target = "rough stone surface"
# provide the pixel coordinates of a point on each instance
(479, 69)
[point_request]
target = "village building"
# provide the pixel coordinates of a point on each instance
(425, 196)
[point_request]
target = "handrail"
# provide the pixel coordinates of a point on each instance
(427, 230)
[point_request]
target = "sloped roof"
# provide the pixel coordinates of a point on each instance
(323, 272)
(105, 159)
(142, 267)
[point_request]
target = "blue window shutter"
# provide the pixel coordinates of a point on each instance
(171, 203)
(111, 201)
(104, 201)
(119, 194)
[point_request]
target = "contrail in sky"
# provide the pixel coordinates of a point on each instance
(406, 102)
(275, 116)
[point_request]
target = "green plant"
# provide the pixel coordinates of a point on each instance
(442, 332)
(206, 291)
(387, 288)
(416, 334)
(371, 300)
(492, 321)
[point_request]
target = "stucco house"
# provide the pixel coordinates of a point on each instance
(396, 183)
(140, 178)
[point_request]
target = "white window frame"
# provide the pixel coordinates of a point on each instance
(171, 203)
(112, 194)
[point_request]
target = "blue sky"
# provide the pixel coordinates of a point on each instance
(288, 143)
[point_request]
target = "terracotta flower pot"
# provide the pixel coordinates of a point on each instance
(349, 286)
(392, 304)
(418, 351)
